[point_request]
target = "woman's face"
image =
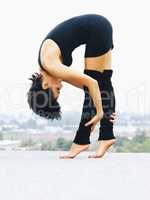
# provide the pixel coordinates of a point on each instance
(52, 82)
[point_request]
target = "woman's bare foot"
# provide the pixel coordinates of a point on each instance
(75, 150)
(103, 147)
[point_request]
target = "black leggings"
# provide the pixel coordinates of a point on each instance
(89, 110)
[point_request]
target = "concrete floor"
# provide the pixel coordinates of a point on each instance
(41, 175)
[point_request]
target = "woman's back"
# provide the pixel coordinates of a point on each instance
(74, 32)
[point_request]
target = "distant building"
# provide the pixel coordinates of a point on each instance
(9, 144)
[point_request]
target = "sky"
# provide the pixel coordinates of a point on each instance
(24, 24)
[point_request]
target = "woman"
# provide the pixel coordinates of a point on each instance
(55, 57)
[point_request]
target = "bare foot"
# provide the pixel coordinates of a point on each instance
(103, 147)
(75, 150)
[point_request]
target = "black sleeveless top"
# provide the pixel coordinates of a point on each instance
(76, 31)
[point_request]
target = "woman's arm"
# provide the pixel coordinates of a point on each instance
(51, 63)
(77, 79)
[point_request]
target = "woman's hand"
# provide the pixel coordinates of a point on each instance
(95, 120)
(113, 117)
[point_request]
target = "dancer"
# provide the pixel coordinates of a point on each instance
(55, 57)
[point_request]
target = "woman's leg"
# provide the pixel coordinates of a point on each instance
(82, 138)
(109, 104)
(106, 136)
(88, 111)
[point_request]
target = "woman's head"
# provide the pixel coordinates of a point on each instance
(43, 95)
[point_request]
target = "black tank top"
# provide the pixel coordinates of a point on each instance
(70, 34)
